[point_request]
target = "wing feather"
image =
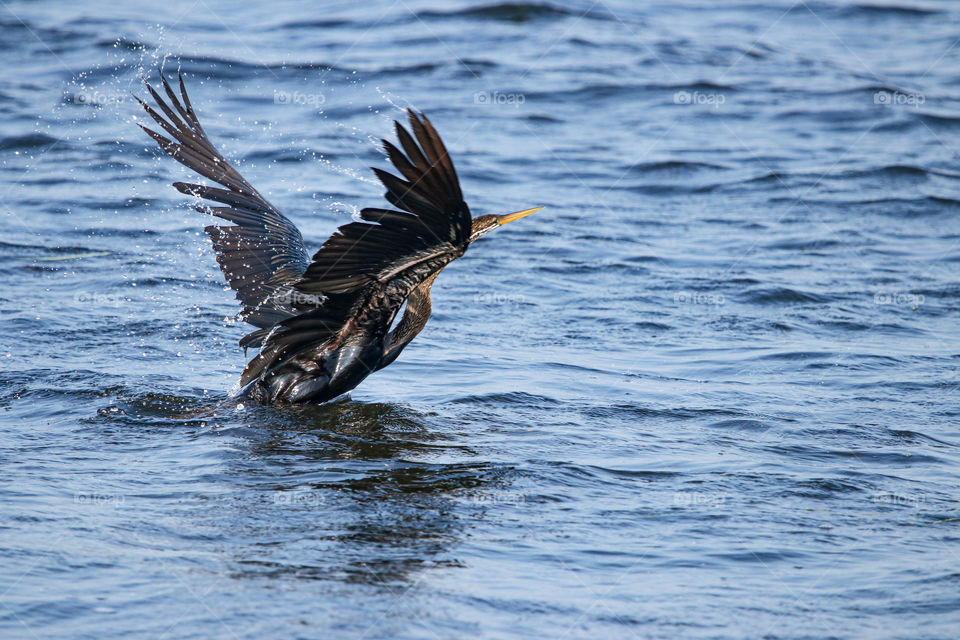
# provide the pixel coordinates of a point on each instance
(367, 268)
(361, 274)
(263, 254)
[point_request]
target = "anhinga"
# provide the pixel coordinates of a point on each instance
(323, 325)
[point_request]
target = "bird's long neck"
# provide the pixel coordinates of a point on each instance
(414, 319)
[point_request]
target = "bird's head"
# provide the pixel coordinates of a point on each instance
(483, 225)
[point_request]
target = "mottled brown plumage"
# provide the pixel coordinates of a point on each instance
(323, 323)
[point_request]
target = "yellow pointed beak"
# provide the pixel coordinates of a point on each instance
(510, 217)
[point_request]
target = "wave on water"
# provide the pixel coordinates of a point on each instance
(27, 141)
(783, 295)
(518, 12)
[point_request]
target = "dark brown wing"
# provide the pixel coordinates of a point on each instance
(368, 268)
(434, 219)
(262, 254)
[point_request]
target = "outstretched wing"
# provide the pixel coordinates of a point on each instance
(434, 219)
(368, 268)
(262, 254)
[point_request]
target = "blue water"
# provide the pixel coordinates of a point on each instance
(711, 391)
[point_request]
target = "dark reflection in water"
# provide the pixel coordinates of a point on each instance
(352, 491)
(349, 491)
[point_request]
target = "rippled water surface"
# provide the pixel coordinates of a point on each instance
(711, 391)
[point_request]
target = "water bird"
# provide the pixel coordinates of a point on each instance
(323, 324)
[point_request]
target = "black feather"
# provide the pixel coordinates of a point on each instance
(263, 255)
(360, 277)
